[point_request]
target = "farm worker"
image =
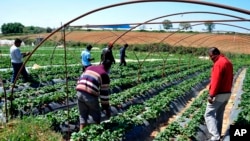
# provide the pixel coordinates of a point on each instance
(123, 55)
(219, 92)
(86, 57)
(107, 53)
(92, 85)
(16, 60)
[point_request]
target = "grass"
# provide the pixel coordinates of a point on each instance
(29, 129)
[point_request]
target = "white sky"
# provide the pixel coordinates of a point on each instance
(53, 13)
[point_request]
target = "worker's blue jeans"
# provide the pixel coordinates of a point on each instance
(16, 68)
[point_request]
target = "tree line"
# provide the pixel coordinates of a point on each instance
(167, 24)
(18, 28)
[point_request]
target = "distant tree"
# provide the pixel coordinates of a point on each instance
(167, 24)
(48, 30)
(12, 28)
(210, 26)
(29, 29)
(34, 29)
(185, 26)
(39, 30)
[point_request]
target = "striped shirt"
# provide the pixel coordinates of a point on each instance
(95, 80)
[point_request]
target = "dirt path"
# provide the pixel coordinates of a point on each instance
(230, 104)
(226, 119)
(171, 119)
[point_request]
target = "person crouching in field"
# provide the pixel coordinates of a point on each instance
(94, 84)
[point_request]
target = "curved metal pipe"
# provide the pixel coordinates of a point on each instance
(119, 4)
(195, 21)
(131, 2)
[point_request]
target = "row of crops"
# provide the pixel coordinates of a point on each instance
(244, 115)
(143, 97)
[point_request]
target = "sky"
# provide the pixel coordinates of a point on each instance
(54, 13)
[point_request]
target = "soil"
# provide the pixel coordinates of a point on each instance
(227, 120)
(235, 43)
(227, 112)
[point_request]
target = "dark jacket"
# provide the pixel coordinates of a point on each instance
(107, 54)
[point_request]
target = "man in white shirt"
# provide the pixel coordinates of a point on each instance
(16, 60)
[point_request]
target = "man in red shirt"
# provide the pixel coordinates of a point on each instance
(219, 92)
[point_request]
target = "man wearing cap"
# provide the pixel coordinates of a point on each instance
(107, 53)
(86, 57)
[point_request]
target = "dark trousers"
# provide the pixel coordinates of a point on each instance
(123, 62)
(16, 68)
(84, 67)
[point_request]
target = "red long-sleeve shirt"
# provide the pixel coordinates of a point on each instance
(221, 76)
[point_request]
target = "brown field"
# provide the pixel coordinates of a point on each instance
(237, 43)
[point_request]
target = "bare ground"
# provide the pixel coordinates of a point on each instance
(227, 113)
(225, 42)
